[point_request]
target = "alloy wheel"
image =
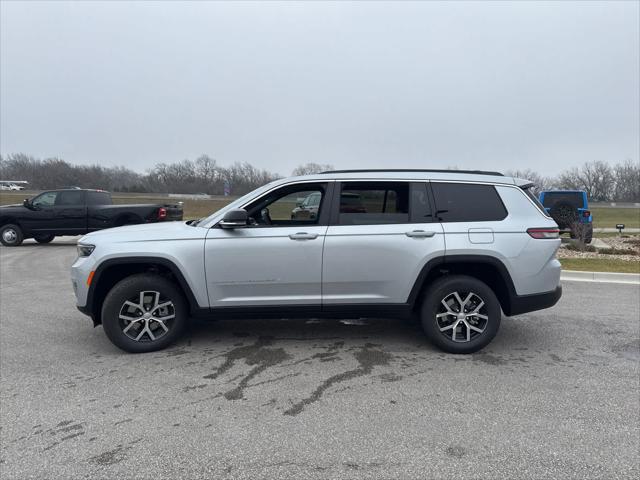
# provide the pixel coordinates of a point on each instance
(146, 317)
(462, 316)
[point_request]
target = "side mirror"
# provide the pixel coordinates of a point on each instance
(27, 203)
(235, 218)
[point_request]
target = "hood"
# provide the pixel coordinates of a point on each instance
(147, 232)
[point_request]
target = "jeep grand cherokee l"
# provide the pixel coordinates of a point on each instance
(453, 248)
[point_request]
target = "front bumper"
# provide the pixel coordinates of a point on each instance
(80, 271)
(519, 304)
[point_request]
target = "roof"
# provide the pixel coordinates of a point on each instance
(411, 174)
(428, 170)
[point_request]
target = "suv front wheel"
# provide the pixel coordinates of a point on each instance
(460, 314)
(144, 313)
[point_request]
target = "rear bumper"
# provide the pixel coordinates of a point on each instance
(530, 303)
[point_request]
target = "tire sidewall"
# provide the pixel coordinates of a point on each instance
(19, 235)
(445, 286)
(44, 238)
(129, 287)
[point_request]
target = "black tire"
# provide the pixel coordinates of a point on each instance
(589, 236)
(44, 238)
(443, 289)
(130, 288)
(11, 235)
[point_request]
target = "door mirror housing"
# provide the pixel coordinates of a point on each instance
(236, 218)
(27, 203)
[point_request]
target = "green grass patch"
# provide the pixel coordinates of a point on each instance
(610, 217)
(600, 265)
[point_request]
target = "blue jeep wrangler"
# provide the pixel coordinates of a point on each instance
(570, 210)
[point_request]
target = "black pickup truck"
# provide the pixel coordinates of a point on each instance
(74, 212)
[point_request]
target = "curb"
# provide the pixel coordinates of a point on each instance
(606, 277)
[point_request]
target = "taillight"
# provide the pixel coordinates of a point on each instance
(162, 213)
(544, 232)
(586, 214)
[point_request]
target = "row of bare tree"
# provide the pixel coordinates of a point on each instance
(601, 181)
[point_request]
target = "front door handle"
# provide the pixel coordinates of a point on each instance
(419, 233)
(303, 236)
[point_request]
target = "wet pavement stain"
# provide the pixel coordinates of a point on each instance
(68, 427)
(109, 457)
(262, 358)
(456, 451)
(367, 358)
(239, 353)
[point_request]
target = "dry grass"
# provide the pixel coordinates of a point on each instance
(601, 265)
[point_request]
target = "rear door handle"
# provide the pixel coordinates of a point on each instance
(303, 236)
(419, 233)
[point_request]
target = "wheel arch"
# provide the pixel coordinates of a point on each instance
(8, 219)
(112, 271)
(487, 269)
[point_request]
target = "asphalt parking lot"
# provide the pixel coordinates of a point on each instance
(556, 395)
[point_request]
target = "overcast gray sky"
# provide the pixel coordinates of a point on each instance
(422, 85)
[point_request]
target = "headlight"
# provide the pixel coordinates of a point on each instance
(85, 250)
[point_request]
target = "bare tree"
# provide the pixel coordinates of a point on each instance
(541, 183)
(601, 181)
(595, 178)
(627, 181)
(311, 168)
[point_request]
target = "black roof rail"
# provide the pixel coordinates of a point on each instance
(427, 170)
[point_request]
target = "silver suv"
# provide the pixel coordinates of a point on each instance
(452, 248)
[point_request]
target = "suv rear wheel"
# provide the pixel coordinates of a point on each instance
(460, 314)
(144, 313)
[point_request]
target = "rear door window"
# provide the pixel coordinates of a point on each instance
(467, 202)
(379, 203)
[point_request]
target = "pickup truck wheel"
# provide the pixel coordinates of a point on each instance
(144, 313)
(44, 238)
(11, 235)
(460, 314)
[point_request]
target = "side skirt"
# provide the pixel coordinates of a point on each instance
(385, 310)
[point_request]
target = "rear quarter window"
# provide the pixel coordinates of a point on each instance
(467, 202)
(98, 198)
